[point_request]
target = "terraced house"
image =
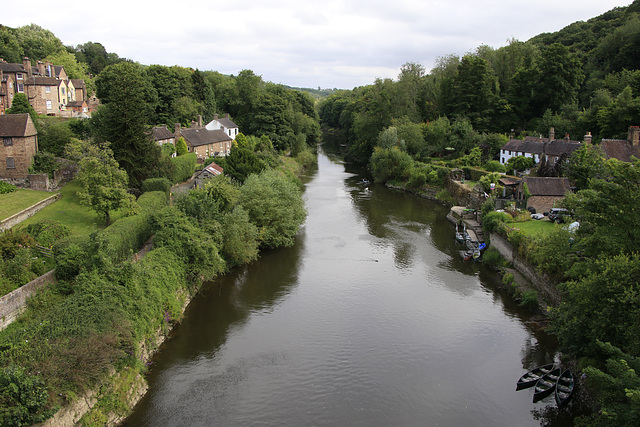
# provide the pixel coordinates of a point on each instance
(47, 87)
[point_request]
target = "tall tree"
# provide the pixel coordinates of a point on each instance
(473, 92)
(560, 76)
(127, 101)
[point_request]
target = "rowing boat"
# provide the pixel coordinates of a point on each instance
(530, 378)
(546, 385)
(564, 388)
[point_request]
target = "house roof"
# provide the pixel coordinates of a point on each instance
(619, 149)
(76, 103)
(202, 136)
(8, 67)
(161, 132)
(227, 123)
(536, 145)
(16, 125)
(213, 169)
(547, 186)
(43, 81)
(505, 180)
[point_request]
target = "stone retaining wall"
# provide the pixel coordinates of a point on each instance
(16, 219)
(541, 282)
(13, 303)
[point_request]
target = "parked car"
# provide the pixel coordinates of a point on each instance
(558, 214)
(537, 216)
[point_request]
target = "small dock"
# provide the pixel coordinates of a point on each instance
(468, 217)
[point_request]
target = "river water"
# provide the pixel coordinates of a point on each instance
(372, 319)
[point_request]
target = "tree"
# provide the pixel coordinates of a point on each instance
(607, 211)
(127, 102)
(38, 43)
(103, 185)
(275, 207)
(560, 76)
(20, 105)
(181, 147)
(585, 163)
(473, 92)
(241, 163)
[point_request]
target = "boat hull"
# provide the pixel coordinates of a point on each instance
(546, 385)
(530, 378)
(564, 388)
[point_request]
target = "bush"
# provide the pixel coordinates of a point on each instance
(185, 166)
(71, 256)
(24, 397)
(5, 187)
(44, 162)
(495, 166)
(156, 184)
(444, 196)
(529, 299)
(508, 279)
(492, 220)
(152, 201)
(417, 178)
(48, 231)
(492, 258)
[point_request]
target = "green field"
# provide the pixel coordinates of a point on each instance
(534, 227)
(68, 211)
(12, 203)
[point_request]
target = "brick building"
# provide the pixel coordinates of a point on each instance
(19, 145)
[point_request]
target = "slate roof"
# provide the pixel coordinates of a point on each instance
(547, 186)
(506, 181)
(161, 132)
(227, 123)
(75, 103)
(8, 67)
(535, 145)
(619, 149)
(43, 81)
(16, 125)
(203, 136)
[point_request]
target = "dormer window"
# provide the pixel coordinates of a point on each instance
(19, 76)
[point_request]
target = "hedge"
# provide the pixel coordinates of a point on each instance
(185, 166)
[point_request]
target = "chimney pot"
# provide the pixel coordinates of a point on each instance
(588, 138)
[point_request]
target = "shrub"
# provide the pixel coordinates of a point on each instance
(495, 166)
(444, 196)
(48, 231)
(156, 184)
(417, 178)
(492, 220)
(5, 187)
(492, 257)
(24, 397)
(529, 299)
(507, 279)
(185, 166)
(71, 256)
(152, 201)
(44, 162)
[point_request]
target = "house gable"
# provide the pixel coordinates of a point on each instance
(19, 145)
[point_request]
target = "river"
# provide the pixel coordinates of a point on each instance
(372, 319)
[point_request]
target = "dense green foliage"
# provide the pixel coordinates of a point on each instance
(5, 187)
(184, 167)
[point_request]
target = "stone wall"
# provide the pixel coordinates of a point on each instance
(27, 213)
(12, 304)
(541, 282)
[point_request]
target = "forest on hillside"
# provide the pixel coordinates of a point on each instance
(583, 78)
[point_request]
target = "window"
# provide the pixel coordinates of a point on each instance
(49, 106)
(62, 91)
(20, 87)
(47, 89)
(19, 76)
(11, 163)
(7, 141)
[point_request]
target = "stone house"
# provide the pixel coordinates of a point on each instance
(19, 145)
(204, 142)
(537, 147)
(545, 191)
(225, 124)
(623, 149)
(47, 87)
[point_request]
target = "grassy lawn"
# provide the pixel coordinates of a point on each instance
(534, 227)
(12, 203)
(68, 211)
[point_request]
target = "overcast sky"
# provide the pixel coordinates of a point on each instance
(302, 43)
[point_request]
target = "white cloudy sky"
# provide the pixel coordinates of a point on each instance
(328, 44)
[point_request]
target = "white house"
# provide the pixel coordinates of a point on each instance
(536, 147)
(224, 124)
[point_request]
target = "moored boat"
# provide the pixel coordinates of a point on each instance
(546, 385)
(530, 378)
(564, 388)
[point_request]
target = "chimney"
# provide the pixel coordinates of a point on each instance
(634, 135)
(566, 137)
(41, 68)
(215, 117)
(552, 133)
(227, 116)
(26, 64)
(177, 130)
(48, 72)
(199, 120)
(588, 138)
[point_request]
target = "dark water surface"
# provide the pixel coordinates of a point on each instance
(371, 319)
